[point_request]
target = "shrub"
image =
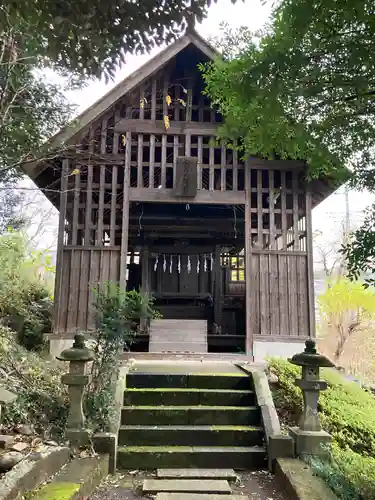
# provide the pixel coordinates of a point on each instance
(116, 313)
(347, 412)
(41, 397)
(346, 308)
(25, 290)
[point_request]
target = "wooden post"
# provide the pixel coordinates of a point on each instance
(310, 265)
(248, 277)
(218, 287)
(125, 213)
(60, 241)
(145, 281)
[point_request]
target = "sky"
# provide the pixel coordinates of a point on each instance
(327, 217)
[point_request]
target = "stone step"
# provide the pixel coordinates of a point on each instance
(198, 496)
(196, 381)
(190, 415)
(153, 486)
(189, 396)
(228, 474)
(205, 435)
(153, 457)
(176, 347)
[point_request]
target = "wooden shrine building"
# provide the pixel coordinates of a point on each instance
(148, 199)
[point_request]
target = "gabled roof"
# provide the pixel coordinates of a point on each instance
(104, 103)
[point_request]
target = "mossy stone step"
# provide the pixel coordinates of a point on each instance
(177, 457)
(190, 415)
(196, 381)
(228, 474)
(199, 435)
(153, 486)
(198, 496)
(188, 396)
(77, 480)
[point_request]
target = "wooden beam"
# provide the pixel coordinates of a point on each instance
(218, 287)
(158, 127)
(203, 196)
(248, 262)
(60, 241)
(145, 280)
(125, 213)
(310, 265)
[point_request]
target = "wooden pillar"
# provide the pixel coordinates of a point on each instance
(248, 277)
(60, 242)
(145, 280)
(310, 265)
(218, 288)
(125, 213)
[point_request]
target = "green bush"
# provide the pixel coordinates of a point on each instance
(25, 290)
(347, 412)
(41, 397)
(117, 311)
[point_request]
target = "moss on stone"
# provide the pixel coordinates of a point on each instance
(57, 491)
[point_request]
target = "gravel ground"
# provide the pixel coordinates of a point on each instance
(259, 485)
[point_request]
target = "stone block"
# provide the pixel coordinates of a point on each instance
(198, 496)
(310, 442)
(228, 474)
(78, 437)
(153, 486)
(20, 446)
(106, 443)
(6, 442)
(298, 481)
(279, 446)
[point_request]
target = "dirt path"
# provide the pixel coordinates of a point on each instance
(259, 485)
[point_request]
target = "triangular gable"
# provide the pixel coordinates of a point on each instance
(137, 77)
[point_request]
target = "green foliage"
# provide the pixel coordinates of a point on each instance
(117, 313)
(360, 250)
(31, 108)
(25, 291)
(345, 295)
(87, 37)
(41, 397)
(346, 307)
(346, 412)
(304, 89)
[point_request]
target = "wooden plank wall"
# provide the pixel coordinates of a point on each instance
(280, 294)
(279, 289)
(83, 271)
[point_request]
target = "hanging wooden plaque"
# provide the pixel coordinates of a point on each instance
(186, 176)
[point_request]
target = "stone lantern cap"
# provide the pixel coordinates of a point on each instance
(78, 351)
(310, 357)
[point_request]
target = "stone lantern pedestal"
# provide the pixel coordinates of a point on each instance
(309, 437)
(78, 356)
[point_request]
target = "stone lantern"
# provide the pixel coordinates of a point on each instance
(309, 437)
(78, 356)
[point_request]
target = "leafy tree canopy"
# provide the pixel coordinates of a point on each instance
(89, 37)
(304, 88)
(31, 108)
